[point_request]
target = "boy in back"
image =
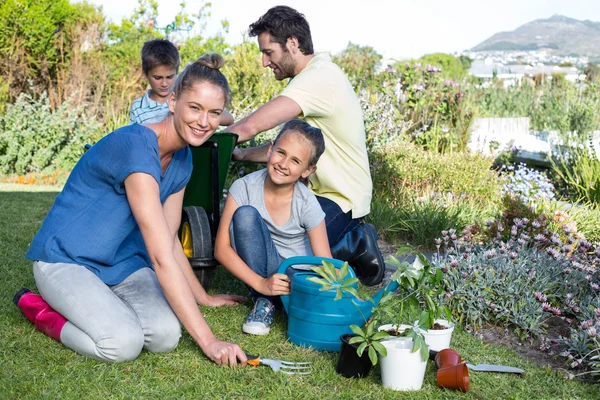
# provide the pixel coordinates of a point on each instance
(160, 63)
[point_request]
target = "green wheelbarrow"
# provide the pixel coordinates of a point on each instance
(202, 203)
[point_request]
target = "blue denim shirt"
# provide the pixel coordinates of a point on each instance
(91, 223)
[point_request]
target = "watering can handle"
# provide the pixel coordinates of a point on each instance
(311, 260)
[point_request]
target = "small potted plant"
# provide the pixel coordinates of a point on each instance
(359, 351)
(423, 283)
(403, 362)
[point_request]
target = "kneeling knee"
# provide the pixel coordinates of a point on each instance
(125, 346)
(164, 337)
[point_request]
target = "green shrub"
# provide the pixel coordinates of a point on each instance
(578, 172)
(417, 193)
(408, 172)
(36, 138)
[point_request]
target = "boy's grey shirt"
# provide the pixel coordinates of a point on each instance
(146, 111)
(291, 239)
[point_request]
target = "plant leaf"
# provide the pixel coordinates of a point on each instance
(372, 355)
(361, 349)
(379, 348)
(357, 330)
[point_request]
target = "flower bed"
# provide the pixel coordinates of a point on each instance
(523, 279)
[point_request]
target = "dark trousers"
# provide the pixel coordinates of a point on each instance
(338, 223)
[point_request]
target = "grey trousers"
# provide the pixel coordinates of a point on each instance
(109, 323)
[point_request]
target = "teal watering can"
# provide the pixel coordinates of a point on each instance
(315, 319)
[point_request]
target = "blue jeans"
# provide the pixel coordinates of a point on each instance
(108, 323)
(252, 241)
(337, 222)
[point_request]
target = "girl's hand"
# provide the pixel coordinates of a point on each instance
(219, 300)
(275, 285)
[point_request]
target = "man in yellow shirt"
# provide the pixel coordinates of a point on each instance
(320, 93)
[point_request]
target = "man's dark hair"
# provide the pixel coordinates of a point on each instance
(310, 133)
(283, 22)
(159, 52)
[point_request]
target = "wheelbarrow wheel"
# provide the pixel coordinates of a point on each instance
(195, 233)
(196, 241)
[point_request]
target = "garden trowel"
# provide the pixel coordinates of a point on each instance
(494, 368)
(483, 367)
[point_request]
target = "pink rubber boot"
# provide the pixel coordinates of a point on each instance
(40, 313)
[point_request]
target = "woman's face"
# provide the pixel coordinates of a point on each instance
(197, 112)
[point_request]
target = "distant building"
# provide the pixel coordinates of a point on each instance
(512, 74)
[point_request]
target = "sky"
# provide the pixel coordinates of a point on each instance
(397, 29)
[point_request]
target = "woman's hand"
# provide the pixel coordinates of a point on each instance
(275, 285)
(224, 353)
(219, 300)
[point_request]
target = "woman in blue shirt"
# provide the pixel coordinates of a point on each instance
(107, 257)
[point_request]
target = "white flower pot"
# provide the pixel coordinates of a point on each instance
(389, 327)
(438, 339)
(402, 369)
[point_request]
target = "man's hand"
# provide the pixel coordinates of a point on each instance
(224, 353)
(219, 300)
(275, 285)
(238, 154)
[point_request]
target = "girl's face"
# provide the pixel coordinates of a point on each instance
(197, 112)
(289, 159)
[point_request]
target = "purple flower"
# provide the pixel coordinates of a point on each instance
(454, 263)
(445, 129)
(464, 275)
(587, 324)
(535, 224)
(597, 312)
(444, 233)
(556, 311)
(546, 306)
(592, 332)
(553, 252)
(595, 286)
(490, 254)
(540, 297)
(540, 238)
(512, 255)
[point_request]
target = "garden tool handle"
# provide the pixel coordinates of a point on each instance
(252, 360)
(313, 260)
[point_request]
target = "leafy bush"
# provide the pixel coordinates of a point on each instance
(579, 173)
(417, 193)
(35, 138)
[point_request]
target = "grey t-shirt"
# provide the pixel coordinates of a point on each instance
(291, 238)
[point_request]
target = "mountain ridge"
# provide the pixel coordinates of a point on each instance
(558, 34)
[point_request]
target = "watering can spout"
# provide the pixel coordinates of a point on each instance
(389, 288)
(367, 307)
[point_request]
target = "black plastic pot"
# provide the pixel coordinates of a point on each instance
(349, 363)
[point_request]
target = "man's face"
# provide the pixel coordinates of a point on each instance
(278, 59)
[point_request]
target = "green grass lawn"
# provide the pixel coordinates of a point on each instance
(32, 366)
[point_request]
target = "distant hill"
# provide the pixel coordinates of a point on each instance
(560, 34)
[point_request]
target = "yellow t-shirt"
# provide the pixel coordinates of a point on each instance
(329, 103)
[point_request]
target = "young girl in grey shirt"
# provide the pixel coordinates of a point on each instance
(269, 216)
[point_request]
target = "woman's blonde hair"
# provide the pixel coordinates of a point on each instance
(204, 69)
